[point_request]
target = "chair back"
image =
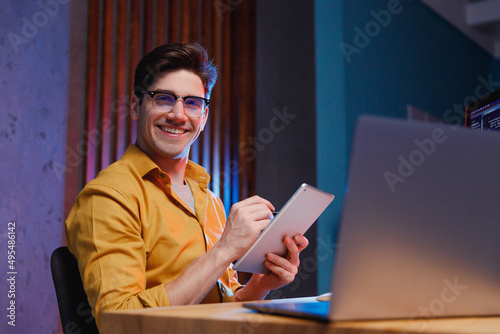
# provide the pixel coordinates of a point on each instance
(74, 308)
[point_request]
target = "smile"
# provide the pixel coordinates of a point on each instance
(171, 130)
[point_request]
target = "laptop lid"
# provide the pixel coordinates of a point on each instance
(420, 229)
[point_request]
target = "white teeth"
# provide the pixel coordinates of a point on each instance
(170, 130)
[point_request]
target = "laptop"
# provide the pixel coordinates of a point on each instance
(420, 230)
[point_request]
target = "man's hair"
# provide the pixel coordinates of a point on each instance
(176, 56)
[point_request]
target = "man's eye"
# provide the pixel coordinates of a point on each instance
(165, 99)
(194, 103)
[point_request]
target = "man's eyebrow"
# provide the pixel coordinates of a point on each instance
(159, 90)
(164, 91)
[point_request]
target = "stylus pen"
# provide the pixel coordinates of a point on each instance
(273, 214)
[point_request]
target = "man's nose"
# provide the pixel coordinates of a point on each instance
(177, 111)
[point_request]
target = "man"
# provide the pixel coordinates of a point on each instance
(147, 232)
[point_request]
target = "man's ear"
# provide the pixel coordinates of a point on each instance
(135, 107)
(204, 120)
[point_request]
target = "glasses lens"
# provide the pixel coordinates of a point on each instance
(164, 101)
(194, 105)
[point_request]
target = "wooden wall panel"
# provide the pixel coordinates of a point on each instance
(104, 125)
(120, 32)
(174, 19)
(119, 107)
(161, 11)
(88, 163)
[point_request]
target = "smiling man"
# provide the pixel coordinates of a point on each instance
(147, 232)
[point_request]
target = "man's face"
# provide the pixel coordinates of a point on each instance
(169, 135)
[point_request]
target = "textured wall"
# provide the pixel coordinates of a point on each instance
(34, 40)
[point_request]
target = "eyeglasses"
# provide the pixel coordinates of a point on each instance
(165, 102)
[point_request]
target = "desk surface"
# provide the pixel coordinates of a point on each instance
(233, 318)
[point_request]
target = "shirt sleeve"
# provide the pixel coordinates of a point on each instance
(104, 233)
(230, 277)
(235, 284)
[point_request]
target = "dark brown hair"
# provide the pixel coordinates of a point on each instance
(176, 56)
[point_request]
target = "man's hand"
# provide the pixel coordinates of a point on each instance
(283, 271)
(245, 222)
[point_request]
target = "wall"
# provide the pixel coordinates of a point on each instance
(285, 120)
(495, 69)
(411, 56)
(330, 127)
(33, 93)
(417, 58)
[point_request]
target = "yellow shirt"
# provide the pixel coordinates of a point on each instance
(132, 234)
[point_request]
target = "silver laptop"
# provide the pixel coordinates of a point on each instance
(420, 230)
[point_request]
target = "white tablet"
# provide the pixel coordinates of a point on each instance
(296, 216)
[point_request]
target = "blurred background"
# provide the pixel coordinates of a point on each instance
(293, 77)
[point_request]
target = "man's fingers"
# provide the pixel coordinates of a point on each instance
(255, 200)
(251, 211)
(301, 242)
(283, 270)
(293, 251)
(294, 247)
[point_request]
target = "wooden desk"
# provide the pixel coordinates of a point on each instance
(232, 318)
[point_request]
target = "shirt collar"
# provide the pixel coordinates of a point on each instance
(143, 164)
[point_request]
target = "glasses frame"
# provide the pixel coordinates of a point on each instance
(183, 98)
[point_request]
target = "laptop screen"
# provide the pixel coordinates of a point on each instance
(484, 113)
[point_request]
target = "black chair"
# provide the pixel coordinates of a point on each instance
(74, 308)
